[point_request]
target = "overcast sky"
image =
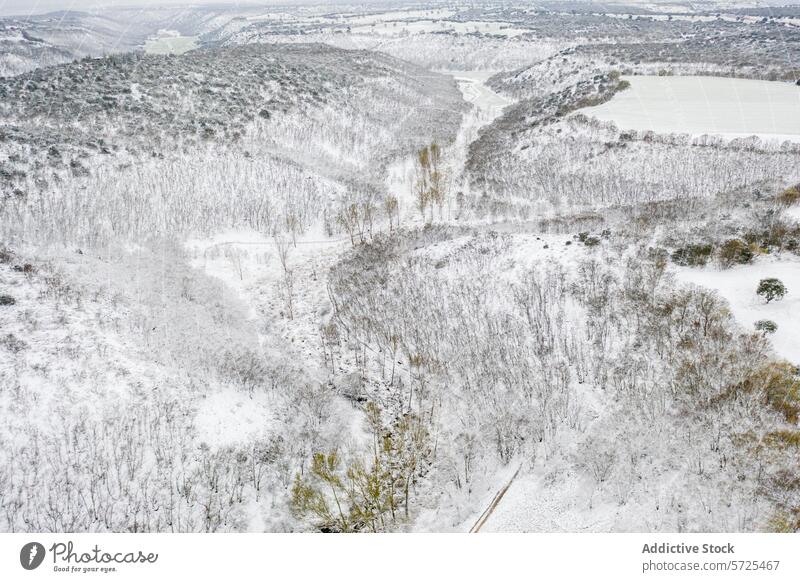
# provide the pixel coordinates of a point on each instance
(25, 7)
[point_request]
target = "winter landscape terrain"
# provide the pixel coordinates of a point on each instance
(400, 267)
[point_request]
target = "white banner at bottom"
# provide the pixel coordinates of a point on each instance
(399, 557)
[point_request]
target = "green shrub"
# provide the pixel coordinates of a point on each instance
(790, 196)
(785, 522)
(693, 255)
(780, 236)
(780, 385)
(591, 241)
(771, 289)
(735, 252)
(766, 326)
(783, 439)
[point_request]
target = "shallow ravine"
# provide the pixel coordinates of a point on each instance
(486, 106)
(248, 263)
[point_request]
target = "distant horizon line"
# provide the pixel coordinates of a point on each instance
(20, 9)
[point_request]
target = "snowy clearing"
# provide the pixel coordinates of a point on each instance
(738, 287)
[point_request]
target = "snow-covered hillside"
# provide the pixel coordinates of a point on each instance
(392, 268)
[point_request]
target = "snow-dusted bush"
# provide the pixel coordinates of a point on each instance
(766, 326)
(771, 289)
(734, 252)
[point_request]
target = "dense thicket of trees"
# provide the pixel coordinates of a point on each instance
(600, 365)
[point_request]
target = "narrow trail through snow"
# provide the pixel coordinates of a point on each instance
(493, 505)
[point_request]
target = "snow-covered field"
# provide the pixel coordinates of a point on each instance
(705, 105)
(170, 43)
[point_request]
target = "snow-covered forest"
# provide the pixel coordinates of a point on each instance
(347, 269)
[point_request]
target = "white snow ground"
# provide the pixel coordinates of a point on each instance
(534, 503)
(247, 262)
(230, 417)
(705, 105)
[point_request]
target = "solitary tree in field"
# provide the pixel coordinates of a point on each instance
(771, 289)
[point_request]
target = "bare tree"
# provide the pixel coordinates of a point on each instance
(282, 246)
